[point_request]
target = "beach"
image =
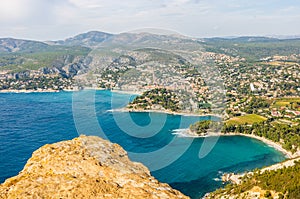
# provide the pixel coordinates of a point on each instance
(182, 132)
(58, 107)
(189, 133)
(277, 146)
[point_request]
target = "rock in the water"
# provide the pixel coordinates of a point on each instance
(85, 167)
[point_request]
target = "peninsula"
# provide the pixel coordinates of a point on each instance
(252, 81)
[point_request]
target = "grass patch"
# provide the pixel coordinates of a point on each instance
(279, 104)
(246, 119)
(287, 102)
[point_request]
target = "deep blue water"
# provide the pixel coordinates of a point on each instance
(28, 121)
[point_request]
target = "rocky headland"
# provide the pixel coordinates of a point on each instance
(85, 167)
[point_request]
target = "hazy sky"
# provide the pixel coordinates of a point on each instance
(58, 19)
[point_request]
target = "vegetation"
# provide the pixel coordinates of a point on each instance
(202, 127)
(254, 104)
(285, 182)
(292, 103)
(261, 78)
(246, 119)
(159, 96)
(285, 134)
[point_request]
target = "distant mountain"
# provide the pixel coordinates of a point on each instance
(89, 39)
(21, 55)
(68, 57)
(148, 40)
(93, 39)
(243, 39)
(252, 48)
(285, 36)
(9, 45)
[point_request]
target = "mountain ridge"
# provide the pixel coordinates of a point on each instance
(95, 38)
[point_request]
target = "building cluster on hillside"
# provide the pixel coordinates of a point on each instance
(34, 80)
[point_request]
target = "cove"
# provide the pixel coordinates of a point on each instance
(30, 120)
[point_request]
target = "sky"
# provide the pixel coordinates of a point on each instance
(60, 19)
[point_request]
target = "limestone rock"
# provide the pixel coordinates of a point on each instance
(85, 167)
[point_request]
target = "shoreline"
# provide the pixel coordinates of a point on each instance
(29, 91)
(127, 92)
(276, 146)
(185, 132)
(45, 90)
(162, 111)
(236, 177)
(270, 143)
(67, 90)
(189, 133)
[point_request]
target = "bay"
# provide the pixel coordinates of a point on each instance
(30, 120)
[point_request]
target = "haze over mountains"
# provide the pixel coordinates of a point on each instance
(103, 57)
(95, 38)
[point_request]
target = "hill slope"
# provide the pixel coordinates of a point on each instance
(277, 181)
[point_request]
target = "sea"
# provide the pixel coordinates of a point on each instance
(192, 165)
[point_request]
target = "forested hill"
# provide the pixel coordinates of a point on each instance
(281, 183)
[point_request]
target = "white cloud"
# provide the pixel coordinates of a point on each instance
(57, 19)
(89, 4)
(31, 12)
(13, 9)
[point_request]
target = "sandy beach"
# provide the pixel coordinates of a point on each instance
(275, 145)
(183, 132)
(188, 133)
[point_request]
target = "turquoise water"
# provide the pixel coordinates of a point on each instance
(28, 121)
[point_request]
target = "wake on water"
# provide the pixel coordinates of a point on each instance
(181, 132)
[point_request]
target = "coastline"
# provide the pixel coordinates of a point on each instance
(37, 91)
(271, 143)
(236, 177)
(46, 90)
(277, 146)
(189, 133)
(127, 92)
(28, 91)
(184, 132)
(162, 111)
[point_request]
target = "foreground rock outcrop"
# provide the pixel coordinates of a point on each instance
(85, 167)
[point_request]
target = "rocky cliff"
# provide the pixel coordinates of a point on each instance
(85, 167)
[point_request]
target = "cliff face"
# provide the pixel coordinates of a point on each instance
(85, 167)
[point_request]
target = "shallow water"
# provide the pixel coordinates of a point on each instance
(28, 121)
